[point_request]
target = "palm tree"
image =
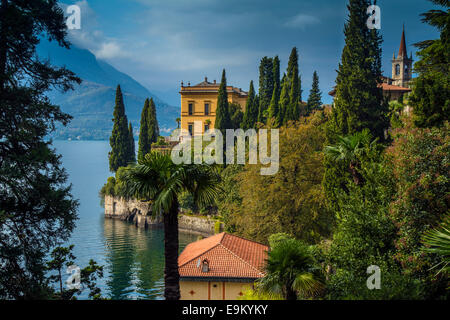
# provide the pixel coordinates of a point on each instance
(158, 179)
(290, 271)
(348, 149)
(178, 120)
(438, 241)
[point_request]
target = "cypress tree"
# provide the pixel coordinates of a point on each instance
(274, 112)
(119, 155)
(276, 77)
(284, 101)
(223, 120)
(152, 123)
(359, 102)
(132, 146)
(266, 84)
(294, 96)
(315, 96)
(144, 146)
(251, 112)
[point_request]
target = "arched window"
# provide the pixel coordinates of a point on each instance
(397, 69)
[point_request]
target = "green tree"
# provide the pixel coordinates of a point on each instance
(349, 150)
(438, 241)
(153, 127)
(359, 102)
(158, 179)
(290, 201)
(132, 146)
(178, 120)
(144, 145)
(290, 271)
(284, 101)
(430, 97)
(37, 208)
(62, 258)
(266, 84)
(236, 115)
(223, 119)
(315, 96)
(274, 111)
(251, 110)
(119, 156)
(419, 160)
(293, 88)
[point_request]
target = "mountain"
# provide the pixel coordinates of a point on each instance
(91, 103)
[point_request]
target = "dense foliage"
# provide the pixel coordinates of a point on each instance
(37, 210)
(121, 153)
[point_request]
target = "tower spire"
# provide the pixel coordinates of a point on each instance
(402, 50)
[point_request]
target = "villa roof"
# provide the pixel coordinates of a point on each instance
(384, 86)
(206, 86)
(228, 256)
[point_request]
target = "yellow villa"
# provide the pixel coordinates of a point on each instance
(199, 102)
(220, 267)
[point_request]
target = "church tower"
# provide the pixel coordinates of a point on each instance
(402, 65)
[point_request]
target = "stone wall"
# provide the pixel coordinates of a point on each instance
(140, 214)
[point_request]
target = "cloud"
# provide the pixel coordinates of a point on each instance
(301, 21)
(91, 37)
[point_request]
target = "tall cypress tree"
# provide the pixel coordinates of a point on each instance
(223, 120)
(144, 146)
(132, 155)
(276, 77)
(274, 111)
(251, 110)
(293, 87)
(359, 102)
(315, 96)
(119, 141)
(266, 84)
(153, 127)
(284, 100)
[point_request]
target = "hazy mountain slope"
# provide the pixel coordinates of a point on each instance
(91, 104)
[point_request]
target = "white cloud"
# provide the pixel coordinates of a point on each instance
(301, 21)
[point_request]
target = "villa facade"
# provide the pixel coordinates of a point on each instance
(199, 103)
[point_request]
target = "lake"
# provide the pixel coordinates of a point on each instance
(133, 258)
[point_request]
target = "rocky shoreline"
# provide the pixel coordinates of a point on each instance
(140, 214)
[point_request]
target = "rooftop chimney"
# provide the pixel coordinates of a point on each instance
(206, 79)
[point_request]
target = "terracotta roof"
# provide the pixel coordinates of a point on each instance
(228, 256)
(391, 87)
(385, 86)
(206, 86)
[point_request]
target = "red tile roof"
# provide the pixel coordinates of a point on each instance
(228, 256)
(384, 86)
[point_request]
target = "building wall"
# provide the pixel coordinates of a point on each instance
(212, 290)
(198, 99)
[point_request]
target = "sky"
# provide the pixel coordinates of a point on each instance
(163, 42)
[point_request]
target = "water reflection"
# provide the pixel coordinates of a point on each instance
(134, 260)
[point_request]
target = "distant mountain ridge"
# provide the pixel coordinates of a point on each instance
(91, 103)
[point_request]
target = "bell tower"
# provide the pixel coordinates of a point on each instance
(402, 65)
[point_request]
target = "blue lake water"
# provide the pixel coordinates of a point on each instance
(133, 258)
